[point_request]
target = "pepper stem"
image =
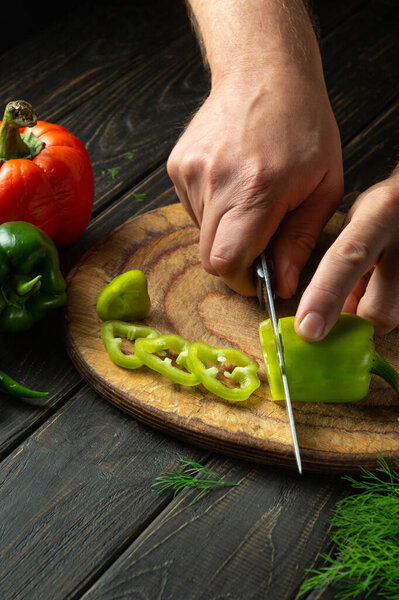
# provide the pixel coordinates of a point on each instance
(29, 287)
(383, 369)
(13, 144)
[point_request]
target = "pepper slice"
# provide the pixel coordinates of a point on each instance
(147, 349)
(336, 369)
(125, 298)
(201, 354)
(114, 331)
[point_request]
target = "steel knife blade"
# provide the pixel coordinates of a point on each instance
(265, 295)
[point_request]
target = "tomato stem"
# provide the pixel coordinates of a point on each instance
(13, 144)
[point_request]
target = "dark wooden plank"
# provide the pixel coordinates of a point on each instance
(66, 63)
(250, 541)
(38, 360)
(73, 495)
(360, 61)
(372, 155)
(29, 20)
(329, 14)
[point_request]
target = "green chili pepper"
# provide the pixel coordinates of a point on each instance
(146, 350)
(336, 369)
(10, 386)
(201, 354)
(125, 298)
(31, 282)
(114, 331)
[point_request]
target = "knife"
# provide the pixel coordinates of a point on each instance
(265, 296)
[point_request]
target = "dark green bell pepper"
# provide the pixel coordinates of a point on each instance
(31, 283)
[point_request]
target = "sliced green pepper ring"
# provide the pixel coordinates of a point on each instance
(114, 331)
(147, 349)
(201, 354)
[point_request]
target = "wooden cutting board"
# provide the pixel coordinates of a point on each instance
(186, 300)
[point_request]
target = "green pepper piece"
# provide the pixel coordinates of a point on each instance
(31, 283)
(146, 350)
(336, 369)
(114, 331)
(10, 386)
(245, 371)
(125, 298)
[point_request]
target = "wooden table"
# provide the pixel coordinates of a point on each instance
(79, 518)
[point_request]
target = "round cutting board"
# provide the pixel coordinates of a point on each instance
(186, 300)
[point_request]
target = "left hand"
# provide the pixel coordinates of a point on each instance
(360, 271)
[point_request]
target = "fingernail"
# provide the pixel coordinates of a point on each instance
(291, 278)
(312, 326)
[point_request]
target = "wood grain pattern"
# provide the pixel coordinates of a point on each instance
(252, 541)
(186, 300)
(75, 494)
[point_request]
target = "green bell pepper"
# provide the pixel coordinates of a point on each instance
(245, 372)
(147, 351)
(336, 369)
(125, 298)
(112, 334)
(31, 283)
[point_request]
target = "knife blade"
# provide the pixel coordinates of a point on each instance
(265, 295)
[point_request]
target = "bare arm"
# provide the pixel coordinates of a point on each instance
(262, 156)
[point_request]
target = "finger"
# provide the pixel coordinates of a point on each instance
(354, 252)
(298, 233)
(186, 204)
(352, 301)
(380, 302)
(187, 194)
(236, 239)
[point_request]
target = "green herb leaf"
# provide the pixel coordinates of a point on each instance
(112, 172)
(139, 197)
(177, 480)
(366, 536)
(129, 155)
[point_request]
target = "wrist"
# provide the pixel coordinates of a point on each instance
(245, 38)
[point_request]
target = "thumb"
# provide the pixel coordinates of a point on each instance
(297, 235)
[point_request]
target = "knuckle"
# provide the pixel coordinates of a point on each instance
(354, 252)
(254, 177)
(389, 202)
(217, 170)
(303, 241)
(171, 167)
(220, 263)
(329, 293)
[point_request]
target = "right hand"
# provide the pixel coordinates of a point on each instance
(261, 158)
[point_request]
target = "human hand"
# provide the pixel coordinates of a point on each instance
(261, 158)
(360, 271)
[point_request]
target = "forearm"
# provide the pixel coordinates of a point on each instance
(248, 36)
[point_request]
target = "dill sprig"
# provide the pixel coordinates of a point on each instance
(187, 478)
(365, 531)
